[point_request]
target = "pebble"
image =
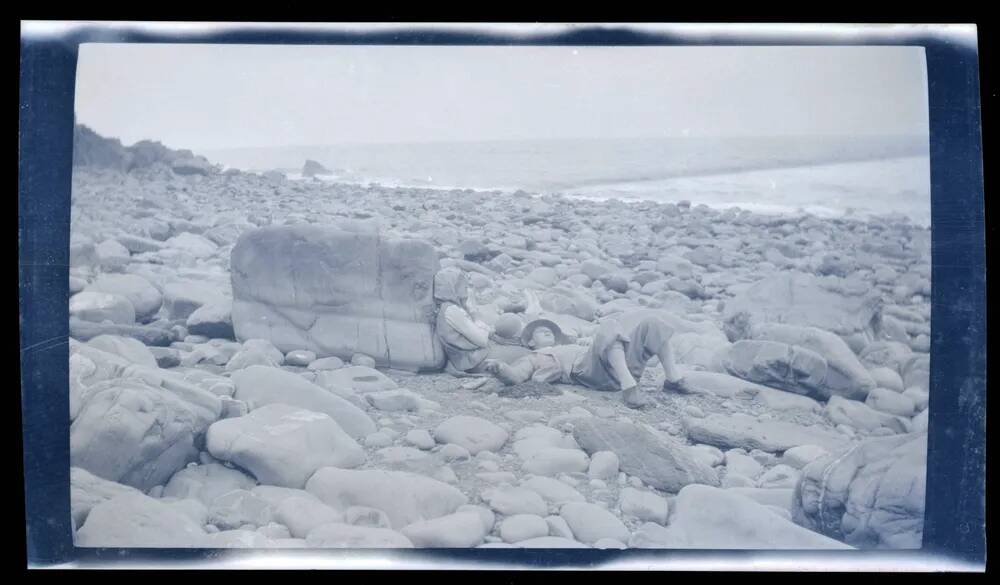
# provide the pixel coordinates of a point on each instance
(453, 452)
(522, 527)
(558, 527)
(300, 357)
(603, 465)
(420, 439)
(377, 440)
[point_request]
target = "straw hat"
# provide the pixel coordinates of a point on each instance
(529, 330)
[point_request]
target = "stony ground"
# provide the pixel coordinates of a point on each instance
(176, 232)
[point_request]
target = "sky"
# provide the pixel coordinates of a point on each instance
(206, 97)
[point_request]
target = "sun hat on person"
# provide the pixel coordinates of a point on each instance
(529, 330)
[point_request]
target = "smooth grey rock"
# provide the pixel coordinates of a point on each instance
(405, 497)
(747, 432)
(797, 298)
(708, 517)
(474, 433)
(206, 482)
(182, 298)
(98, 307)
(658, 461)
(845, 375)
(144, 297)
(283, 445)
(861, 416)
(261, 385)
(590, 522)
(134, 520)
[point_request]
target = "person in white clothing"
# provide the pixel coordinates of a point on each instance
(468, 342)
(614, 360)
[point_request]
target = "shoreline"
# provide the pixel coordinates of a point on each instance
(700, 188)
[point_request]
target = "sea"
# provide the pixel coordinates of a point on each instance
(823, 175)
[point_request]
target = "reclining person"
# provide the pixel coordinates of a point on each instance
(467, 342)
(615, 359)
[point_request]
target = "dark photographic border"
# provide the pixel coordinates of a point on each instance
(954, 529)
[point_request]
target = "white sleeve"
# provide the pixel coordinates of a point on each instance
(461, 321)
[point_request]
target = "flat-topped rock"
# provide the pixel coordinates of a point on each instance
(747, 432)
(336, 293)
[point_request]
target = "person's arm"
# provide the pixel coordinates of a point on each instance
(462, 322)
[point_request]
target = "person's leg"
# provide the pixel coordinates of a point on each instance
(650, 337)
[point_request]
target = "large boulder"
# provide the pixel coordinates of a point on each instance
(262, 385)
(137, 433)
(336, 293)
(871, 496)
(845, 375)
(283, 445)
(779, 365)
(708, 517)
(134, 520)
(404, 497)
(798, 298)
(658, 461)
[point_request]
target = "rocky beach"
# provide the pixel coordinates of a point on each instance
(253, 364)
